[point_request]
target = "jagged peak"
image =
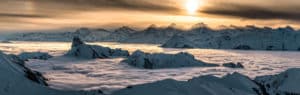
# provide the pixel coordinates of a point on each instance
(76, 41)
(125, 29)
(172, 25)
(200, 25)
(287, 28)
(152, 27)
(82, 29)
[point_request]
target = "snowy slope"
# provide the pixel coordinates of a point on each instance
(233, 84)
(285, 83)
(15, 80)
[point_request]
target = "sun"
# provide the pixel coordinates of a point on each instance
(192, 6)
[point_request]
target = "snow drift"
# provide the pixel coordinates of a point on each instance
(16, 79)
(158, 60)
(82, 50)
(34, 55)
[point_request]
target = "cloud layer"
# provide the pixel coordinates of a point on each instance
(87, 5)
(255, 11)
(13, 15)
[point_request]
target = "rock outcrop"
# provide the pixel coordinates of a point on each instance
(82, 50)
(233, 65)
(158, 60)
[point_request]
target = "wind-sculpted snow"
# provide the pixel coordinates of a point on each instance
(82, 50)
(16, 79)
(159, 60)
(285, 83)
(232, 84)
(34, 55)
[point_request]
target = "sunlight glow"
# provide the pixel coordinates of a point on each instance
(192, 6)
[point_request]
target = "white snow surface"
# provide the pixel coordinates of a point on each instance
(285, 83)
(111, 74)
(232, 84)
(14, 81)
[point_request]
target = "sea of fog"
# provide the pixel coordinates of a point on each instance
(111, 74)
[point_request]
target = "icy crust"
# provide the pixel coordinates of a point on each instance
(34, 55)
(158, 60)
(178, 42)
(232, 84)
(82, 50)
(285, 83)
(16, 79)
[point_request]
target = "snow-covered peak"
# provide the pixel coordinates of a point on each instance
(152, 28)
(125, 29)
(76, 41)
(81, 50)
(83, 31)
(286, 29)
(179, 42)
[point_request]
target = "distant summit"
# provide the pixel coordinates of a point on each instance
(125, 29)
(199, 36)
(179, 42)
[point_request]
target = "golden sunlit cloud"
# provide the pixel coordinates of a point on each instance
(192, 6)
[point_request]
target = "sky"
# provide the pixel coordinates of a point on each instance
(29, 15)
